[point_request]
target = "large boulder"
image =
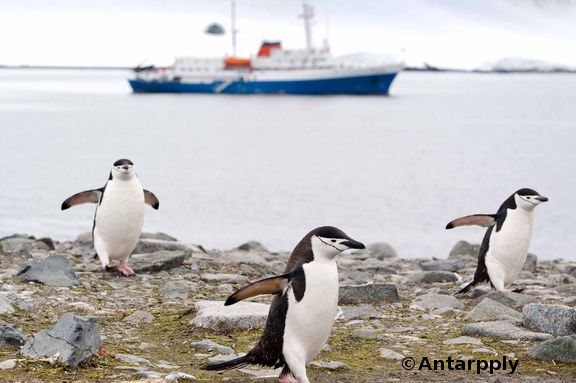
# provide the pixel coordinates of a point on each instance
(369, 293)
(253, 246)
(489, 310)
(561, 349)
(502, 330)
(157, 261)
(73, 339)
(147, 246)
(558, 320)
(21, 242)
(464, 249)
(213, 315)
(53, 271)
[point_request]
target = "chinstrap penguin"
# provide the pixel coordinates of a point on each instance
(119, 214)
(302, 313)
(505, 245)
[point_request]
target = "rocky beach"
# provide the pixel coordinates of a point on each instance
(62, 319)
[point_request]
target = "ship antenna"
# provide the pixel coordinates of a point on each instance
(233, 30)
(308, 17)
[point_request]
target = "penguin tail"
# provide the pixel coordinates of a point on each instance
(243, 361)
(466, 289)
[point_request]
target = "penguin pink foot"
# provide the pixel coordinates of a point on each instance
(287, 379)
(125, 270)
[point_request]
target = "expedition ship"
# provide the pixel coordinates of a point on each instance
(273, 70)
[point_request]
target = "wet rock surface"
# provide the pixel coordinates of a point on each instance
(168, 322)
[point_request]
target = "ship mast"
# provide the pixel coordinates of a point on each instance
(233, 30)
(308, 17)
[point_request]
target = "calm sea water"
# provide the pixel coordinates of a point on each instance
(231, 168)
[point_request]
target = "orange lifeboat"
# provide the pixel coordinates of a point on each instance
(237, 63)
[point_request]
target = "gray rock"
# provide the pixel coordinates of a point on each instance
(443, 265)
(502, 330)
(360, 312)
(464, 340)
(10, 336)
(178, 289)
(381, 250)
(432, 277)
(73, 338)
(8, 364)
(147, 246)
(489, 310)
(386, 353)
(213, 315)
(570, 301)
(332, 365)
(531, 263)
(558, 320)
(132, 359)
(561, 279)
(208, 345)
(139, 317)
(22, 243)
(242, 257)
(436, 301)
(515, 300)
(53, 271)
(464, 249)
(369, 293)
(224, 278)
(363, 333)
(158, 236)
(253, 246)
(561, 349)
(175, 377)
(5, 306)
(157, 261)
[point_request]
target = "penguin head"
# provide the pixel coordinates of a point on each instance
(528, 199)
(122, 169)
(328, 241)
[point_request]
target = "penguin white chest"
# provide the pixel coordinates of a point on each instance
(309, 322)
(119, 218)
(508, 247)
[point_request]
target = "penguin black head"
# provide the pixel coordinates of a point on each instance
(122, 169)
(328, 241)
(528, 198)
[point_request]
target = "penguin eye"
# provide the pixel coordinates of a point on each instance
(333, 240)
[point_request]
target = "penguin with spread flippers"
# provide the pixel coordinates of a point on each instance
(505, 246)
(302, 313)
(119, 214)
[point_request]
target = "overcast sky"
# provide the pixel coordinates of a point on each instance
(458, 33)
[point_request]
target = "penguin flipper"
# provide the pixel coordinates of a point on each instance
(484, 220)
(151, 199)
(272, 285)
(87, 196)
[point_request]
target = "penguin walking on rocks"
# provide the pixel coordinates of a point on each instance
(302, 313)
(119, 214)
(505, 246)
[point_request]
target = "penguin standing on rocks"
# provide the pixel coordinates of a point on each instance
(302, 313)
(119, 215)
(505, 246)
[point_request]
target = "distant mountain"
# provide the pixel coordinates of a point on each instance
(523, 65)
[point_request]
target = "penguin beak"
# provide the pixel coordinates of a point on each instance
(352, 244)
(126, 167)
(542, 199)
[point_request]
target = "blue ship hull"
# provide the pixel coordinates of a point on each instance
(371, 84)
